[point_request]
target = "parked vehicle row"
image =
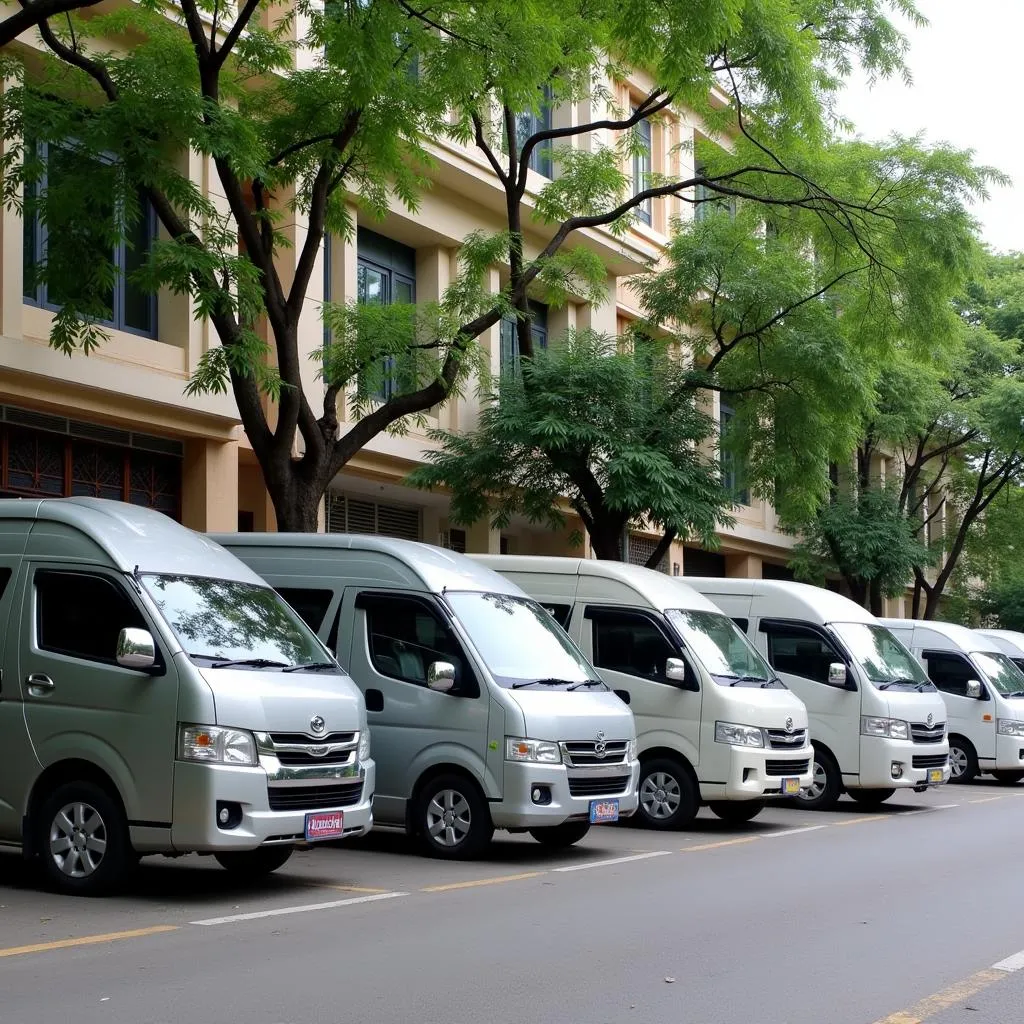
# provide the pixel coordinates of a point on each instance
(167, 693)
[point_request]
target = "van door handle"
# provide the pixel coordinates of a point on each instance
(39, 685)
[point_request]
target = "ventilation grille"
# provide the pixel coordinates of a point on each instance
(356, 515)
(90, 431)
(641, 549)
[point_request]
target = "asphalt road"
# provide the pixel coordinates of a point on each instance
(902, 914)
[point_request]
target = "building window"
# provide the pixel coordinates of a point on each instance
(640, 550)
(129, 307)
(355, 515)
(529, 124)
(510, 337)
(734, 470)
(643, 165)
(705, 199)
(385, 274)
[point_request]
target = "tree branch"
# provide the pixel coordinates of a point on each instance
(36, 12)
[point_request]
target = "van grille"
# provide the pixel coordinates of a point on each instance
(312, 798)
(782, 740)
(602, 785)
(786, 767)
(585, 753)
(930, 760)
(922, 733)
(337, 748)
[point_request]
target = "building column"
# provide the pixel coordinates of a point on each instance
(209, 487)
(743, 566)
(482, 540)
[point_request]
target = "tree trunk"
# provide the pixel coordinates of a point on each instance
(932, 603)
(875, 599)
(858, 590)
(661, 550)
(915, 605)
(295, 496)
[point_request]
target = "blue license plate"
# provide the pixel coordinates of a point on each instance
(603, 810)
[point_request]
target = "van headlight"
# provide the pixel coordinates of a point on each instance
(1009, 727)
(894, 728)
(738, 735)
(542, 751)
(214, 744)
(364, 745)
(631, 748)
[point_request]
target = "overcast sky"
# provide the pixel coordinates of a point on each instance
(968, 89)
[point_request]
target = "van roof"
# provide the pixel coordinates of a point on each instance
(132, 536)
(966, 639)
(1009, 640)
(659, 590)
(812, 602)
(437, 568)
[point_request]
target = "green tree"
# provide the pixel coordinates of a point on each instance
(202, 77)
(34, 12)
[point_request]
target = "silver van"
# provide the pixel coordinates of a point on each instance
(484, 713)
(156, 696)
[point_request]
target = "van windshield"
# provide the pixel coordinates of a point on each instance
(722, 649)
(223, 624)
(520, 643)
(1001, 672)
(881, 657)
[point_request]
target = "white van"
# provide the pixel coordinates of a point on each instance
(877, 723)
(984, 694)
(713, 721)
(157, 697)
(484, 714)
(1009, 642)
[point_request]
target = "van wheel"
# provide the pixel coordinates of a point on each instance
(870, 797)
(82, 839)
(1008, 778)
(826, 784)
(560, 836)
(737, 811)
(451, 819)
(249, 865)
(963, 760)
(668, 795)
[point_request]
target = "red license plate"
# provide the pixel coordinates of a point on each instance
(324, 825)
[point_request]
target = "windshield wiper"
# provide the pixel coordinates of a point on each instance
(541, 682)
(586, 682)
(736, 680)
(250, 663)
(898, 681)
(1014, 693)
(312, 666)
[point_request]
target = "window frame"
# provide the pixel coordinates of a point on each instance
(806, 629)
(731, 466)
(40, 235)
(595, 613)
(963, 659)
(643, 168)
(542, 158)
(321, 592)
(508, 336)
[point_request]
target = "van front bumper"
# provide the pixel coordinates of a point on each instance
(915, 762)
(199, 788)
(1009, 755)
(518, 809)
(754, 773)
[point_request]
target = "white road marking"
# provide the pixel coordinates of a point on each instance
(614, 860)
(1011, 963)
(791, 831)
(304, 909)
(945, 807)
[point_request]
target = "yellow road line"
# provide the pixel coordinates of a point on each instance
(860, 821)
(723, 842)
(88, 940)
(948, 997)
(482, 881)
(985, 800)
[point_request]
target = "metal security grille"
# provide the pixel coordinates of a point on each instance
(641, 549)
(356, 515)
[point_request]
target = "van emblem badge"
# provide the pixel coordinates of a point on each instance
(789, 725)
(317, 724)
(317, 751)
(600, 747)
(930, 719)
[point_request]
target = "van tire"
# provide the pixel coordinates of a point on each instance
(557, 837)
(827, 780)
(1008, 778)
(736, 812)
(469, 827)
(679, 799)
(250, 865)
(963, 760)
(104, 857)
(870, 797)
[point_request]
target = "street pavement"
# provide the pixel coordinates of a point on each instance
(900, 914)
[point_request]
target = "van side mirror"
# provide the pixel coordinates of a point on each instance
(441, 676)
(136, 649)
(837, 674)
(974, 689)
(675, 670)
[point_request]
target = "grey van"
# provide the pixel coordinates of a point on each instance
(484, 713)
(156, 696)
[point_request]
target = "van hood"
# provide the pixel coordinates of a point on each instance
(576, 716)
(914, 707)
(767, 709)
(266, 701)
